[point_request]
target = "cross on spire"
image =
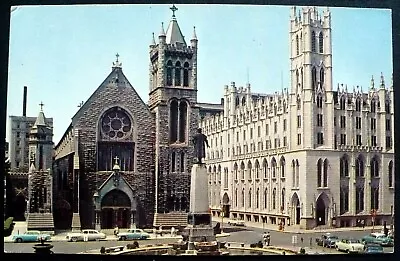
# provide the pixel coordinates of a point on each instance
(41, 106)
(173, 9)
(117, 55)
(116, 160)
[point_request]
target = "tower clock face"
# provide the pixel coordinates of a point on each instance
(116, 124)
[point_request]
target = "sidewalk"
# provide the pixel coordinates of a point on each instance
(297, 230)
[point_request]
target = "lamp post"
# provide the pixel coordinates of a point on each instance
(391, 218)
(96, 210)
(222, 220)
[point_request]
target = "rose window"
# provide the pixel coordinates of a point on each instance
(116, 124)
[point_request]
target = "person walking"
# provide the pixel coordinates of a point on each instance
(116, 231)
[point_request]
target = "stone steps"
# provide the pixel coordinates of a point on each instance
(41, 221)
(76, 221)
(172, 219)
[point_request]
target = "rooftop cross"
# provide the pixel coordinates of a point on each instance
(173, 9)
(41, 106)
(117, 55)
(116, 160)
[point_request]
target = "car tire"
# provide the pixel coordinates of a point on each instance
(347, 251)
(18, 240)
(74, 239)
(123, 238)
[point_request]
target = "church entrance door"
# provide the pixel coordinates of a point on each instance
(116, 210)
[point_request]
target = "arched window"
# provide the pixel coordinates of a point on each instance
(301, 77)
(249, 170)
(342, 102)
(265, 198)
(297, 45)
(243, 101)
(182, 121)
(265, 168)
(326, 164)
(178, 73)
(321, 42)
(344, 200)
(375, 197)
(319, 173)
(293, 174)
(250, 198)
(237, 101)
(235, 171)
(226, 180)
(359, 167)
(282, 167)
(319, 101)
(242, 170)
(297, 79)
(283, 199)
(274, 199)
(242, 205)
(313, 44)
(297, 173)
(186, 74)
(373, 106)
(182, 162)
(298, 102)
(387, 106)
(358, 104)
(374, 167)
(313, 78)
(390, 174)
(322, 77)
(173, 123)
(173, 162)
(257, 169)
(359, 199)
(344, 166)
(236, 197)
(169, 73)
(258, 198)
(273, 167)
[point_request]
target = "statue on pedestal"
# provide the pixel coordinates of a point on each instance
(199, 141)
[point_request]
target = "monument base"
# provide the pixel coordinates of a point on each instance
(200, 234)
(195, 219)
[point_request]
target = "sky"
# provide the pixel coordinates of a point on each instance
(63, 53)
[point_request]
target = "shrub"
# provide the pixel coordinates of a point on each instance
(130, 246)
(102, 250)
(136, 244)
(302, 251)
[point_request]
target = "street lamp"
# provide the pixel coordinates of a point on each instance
(391, 216)
(222, 219)
(95, 199)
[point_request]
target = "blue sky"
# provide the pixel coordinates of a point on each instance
(63, 53)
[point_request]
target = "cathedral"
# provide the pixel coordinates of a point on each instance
(310, 155)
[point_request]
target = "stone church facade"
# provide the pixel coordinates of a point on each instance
(123, 162)
(311, 155)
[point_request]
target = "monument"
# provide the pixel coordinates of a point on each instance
(199, 219)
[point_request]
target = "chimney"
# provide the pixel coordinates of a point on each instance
(24, 102)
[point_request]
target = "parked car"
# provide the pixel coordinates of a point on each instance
(31, 236)
(373, 249)
(236, 222)
(350, 245)
(132, 234)
(378, 238)
(90, 234)
(327, 240)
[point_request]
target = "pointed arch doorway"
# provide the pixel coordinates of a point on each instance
(115, 210)
(296, 209)
(321, 209)
(226, 205)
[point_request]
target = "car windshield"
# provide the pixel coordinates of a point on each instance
(333, 237)
(354, 241)
(375, 248)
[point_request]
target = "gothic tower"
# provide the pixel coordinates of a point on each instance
(173, 99)
(311, 76)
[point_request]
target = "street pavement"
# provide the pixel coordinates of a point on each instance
(246, 235)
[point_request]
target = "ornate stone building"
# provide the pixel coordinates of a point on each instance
(311, 155)
(122, 161)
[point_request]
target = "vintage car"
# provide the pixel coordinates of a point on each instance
(31, 236)
(378, 238)
(236, 222)
(86, 234)
(327, 240)
(373, 249)
(350, 245)
(132, 234)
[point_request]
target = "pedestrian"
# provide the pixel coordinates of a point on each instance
(161, 231)
(268, 239)
(310, 241)
(116, 230)
(302, 240)
(363, 223)
(265, 238)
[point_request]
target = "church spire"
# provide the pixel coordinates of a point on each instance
(153, 40)
(162, 33)
(382, 81)
(372, 83)
(117, 63)
(194, 33)
(174, 34)
(40, 120)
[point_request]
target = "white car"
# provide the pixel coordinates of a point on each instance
(86, 234)
(350, 246)
(236, 222)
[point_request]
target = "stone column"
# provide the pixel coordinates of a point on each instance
(367, 190)
(97, 220)
(352, 191)
(133, 219)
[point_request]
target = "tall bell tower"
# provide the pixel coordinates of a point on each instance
(173, 100)
(311, 78)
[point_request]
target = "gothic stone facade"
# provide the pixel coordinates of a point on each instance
(148, 143)
(307, 156)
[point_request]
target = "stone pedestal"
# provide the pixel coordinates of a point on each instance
(199, 218)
